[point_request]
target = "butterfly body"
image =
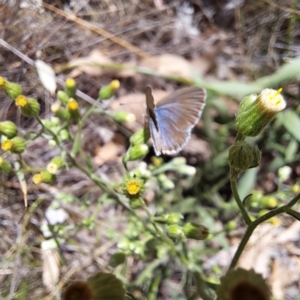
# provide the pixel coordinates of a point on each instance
(173, 118)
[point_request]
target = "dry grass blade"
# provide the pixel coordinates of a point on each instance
(98, 30)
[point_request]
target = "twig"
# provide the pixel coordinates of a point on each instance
(98, 30)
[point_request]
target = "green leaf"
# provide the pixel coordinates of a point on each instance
(117, 259)
(106, 286)
(246, 183)
(286, 72)
(291, 150)
(291, 122)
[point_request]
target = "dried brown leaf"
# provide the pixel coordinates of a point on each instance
(169, 64)
(110, 151)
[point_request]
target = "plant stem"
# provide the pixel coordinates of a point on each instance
(251, 227)
(238, 199)
(163, 237)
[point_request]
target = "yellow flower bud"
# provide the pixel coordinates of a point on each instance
(45, 177)
(107, 91)
(256, 112)
(29, 107)
(73, 109)
(2, 82)
(70, 87)
(15, 145)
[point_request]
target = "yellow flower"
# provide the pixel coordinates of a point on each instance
(115, 84)
(133, 187)
(271, 100)
(295, 188)
(70, 83)
(70, 87)
(37, 178)
(2, 82)
(21, 101)
(72, 104)
(7, 145)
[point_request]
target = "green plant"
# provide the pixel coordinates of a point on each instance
(160, 239)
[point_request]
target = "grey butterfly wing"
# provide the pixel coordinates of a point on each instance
(175, 116)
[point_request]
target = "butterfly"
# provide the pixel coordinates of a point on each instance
(173, 118)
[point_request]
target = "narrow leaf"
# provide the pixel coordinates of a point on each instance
(291, 122)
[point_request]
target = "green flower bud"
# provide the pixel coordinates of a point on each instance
(70, 87)
(52, 143)
(174, 218)
(269, 201)
(107, 91)
(124, 245)
(157, 161)
(195, 231)
(186, 170)
(8, 128)
(64, 135)
(140, 137)
(123, 116)
(174, 231)
(247, 102)
(135, 203)
(117, 259)
(295, 188)
(243, 156)
(178, 161)
(136, 153)
(15, 145)
(166, 183)
(63, 97)
(231, 225)
(59, 111)
(5, 166)
(29, 107)
(54, 165)
(45, 177)
(12, 90)
(284, 173)
(255, 113)
(73, 109)
(55, 121)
